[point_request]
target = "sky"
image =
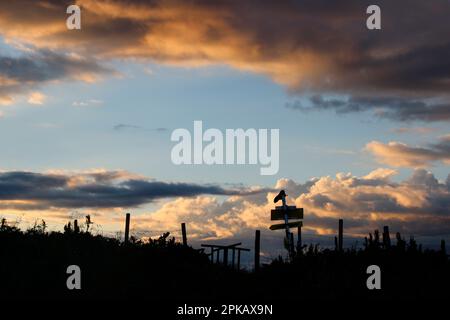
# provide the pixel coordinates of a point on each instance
(86, 115)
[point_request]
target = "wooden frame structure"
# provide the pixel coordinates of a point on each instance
(216, 249)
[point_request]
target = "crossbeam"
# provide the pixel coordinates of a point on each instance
(221, 246)
(283, 225)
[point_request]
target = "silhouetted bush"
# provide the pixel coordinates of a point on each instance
(33, 264)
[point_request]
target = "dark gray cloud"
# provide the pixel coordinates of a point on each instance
(19, 74)
(310, 46)
(314, 221)
(95, 190)
(394, 108)
(124, 126)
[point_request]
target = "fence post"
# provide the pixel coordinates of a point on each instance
(386, 237)
(341, 234)
(75, 226)
(225, 257)
(127, 227)
(183, 232)
(257, 248)
(299, 239)
(291, 245)
(239, 260)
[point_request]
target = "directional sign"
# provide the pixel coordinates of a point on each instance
(282, 225)
(282, 208)
(292, 212)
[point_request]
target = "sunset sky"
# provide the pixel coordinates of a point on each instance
(86, 115)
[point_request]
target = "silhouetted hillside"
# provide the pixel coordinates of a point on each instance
(33, 265)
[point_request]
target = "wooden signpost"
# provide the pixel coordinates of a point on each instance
(127, 227)
(285, 213)
(183, 234)
(292, 212)
(282, 225)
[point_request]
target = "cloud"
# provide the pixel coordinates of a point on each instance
(23, 74)
(414, 130)
(122, 126)
(420, 205)
(6, 100)
(110, 189)
(398, 154)
(87, 103)
(309, 46)
(394, 108)
(125, 126)
(36, 98)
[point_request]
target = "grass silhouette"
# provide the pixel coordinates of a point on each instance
(33, 265)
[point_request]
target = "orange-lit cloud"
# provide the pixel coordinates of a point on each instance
(419, 205)
(414, 130)
(401, 155)
(36, 98)
(308, 46)
(5, 100)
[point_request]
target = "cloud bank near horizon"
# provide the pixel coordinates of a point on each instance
(419, 205)
(105, 189)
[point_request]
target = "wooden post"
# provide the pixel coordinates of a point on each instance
(443, 250)
(239, 260)
(75, 226)
(257, 248)
(183, 231)
(341, 235)
(232, 257)
(386, 237)
(225, 256)
(127, 227)
(291, 244)
(299, 239)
